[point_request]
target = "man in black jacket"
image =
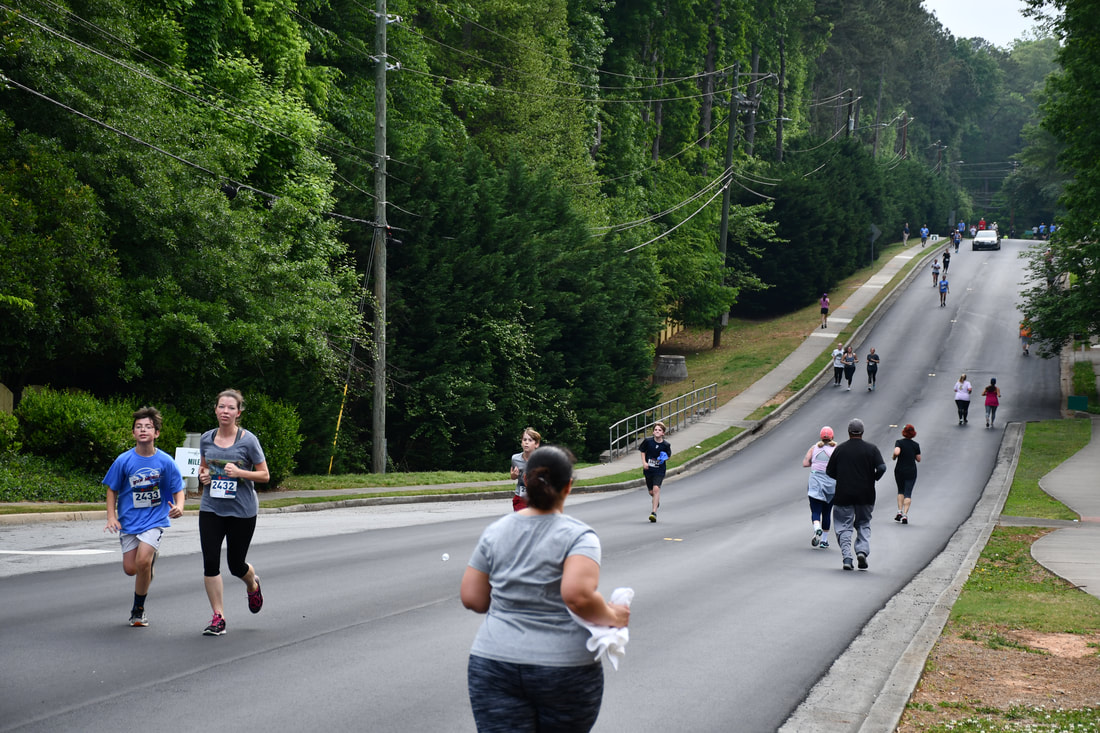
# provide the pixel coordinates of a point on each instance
(856, 465)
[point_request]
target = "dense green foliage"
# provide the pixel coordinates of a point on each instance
(1063, 301)
(187, 192)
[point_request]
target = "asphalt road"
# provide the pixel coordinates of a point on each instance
(735, 618)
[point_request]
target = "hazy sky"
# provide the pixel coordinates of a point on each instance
(997, 21)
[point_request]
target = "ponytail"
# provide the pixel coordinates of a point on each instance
(549, 473)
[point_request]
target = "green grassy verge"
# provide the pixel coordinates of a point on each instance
(1008, 589)
(1021, 718)
(375, 480)
(293, 501)
(1046, 444)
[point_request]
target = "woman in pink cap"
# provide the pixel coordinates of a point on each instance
(821, 487)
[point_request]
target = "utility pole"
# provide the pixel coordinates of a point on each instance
(723, 230)
(878, 109)
(750, 128)
(851, 122)
(780, 108)
(378, 430)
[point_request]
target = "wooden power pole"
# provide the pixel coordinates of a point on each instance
(378, 430)
(723, 233)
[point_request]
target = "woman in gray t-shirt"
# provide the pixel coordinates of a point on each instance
(231, 462)
(529, 666)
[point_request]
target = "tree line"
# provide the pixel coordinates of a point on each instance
(186, 195)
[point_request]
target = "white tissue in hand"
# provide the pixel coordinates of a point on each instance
(608, 641)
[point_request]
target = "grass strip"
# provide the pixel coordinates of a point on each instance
(1046, 444)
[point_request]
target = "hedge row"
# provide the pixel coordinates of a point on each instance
(76, 431)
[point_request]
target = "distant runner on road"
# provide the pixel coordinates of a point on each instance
(655, 454)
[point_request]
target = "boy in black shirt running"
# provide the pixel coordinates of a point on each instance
(655, 453)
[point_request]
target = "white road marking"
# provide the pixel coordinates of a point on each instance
(56, 552)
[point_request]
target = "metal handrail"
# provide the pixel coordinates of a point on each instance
(677, 413)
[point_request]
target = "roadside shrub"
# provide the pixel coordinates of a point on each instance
(9, 433)
(277, 426)
(81, 431)
(73, 427)
(31, 478)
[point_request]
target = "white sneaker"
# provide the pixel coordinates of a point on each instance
(816, 539)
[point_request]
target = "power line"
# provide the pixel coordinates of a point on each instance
(678, 224)
(821, 145)
(559, 98)
(652, 217)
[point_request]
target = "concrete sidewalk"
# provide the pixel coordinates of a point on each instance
(1074, 552)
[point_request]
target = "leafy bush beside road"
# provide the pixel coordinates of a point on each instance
(32, 478)
(78, 430)
(9, 433)
(277, 426)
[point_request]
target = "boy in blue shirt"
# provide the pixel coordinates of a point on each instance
(138, 507)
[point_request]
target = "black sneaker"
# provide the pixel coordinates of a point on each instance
(905, 519)
(653, 516)
(847, 563)
(897, 517)
(138, 617)
(216, 627)
(862, 560)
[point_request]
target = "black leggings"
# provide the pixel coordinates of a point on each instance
(237, 534)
